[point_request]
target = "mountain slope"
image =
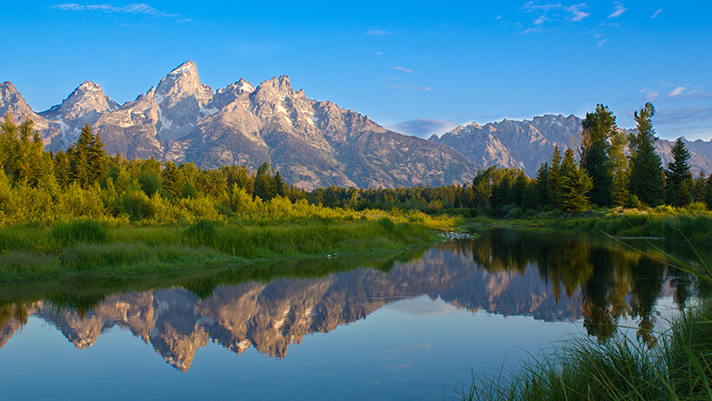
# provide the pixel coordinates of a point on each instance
(527, 144)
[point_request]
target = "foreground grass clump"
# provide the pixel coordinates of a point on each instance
(677, 367)
(78, 231)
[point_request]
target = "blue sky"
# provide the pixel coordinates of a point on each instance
(416, 67)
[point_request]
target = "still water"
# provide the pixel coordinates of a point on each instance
(410, 328)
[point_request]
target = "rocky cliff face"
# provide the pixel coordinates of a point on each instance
(527, 144)
(312, 143)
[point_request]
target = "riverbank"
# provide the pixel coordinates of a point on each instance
(83, 247)
(692, 224)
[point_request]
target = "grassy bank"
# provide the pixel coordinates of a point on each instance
(661, 222)
(83, 247)
(84, 292)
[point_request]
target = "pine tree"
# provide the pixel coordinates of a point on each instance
(554, 181)
(172, 180)
(79, 154)
(678, 183)
(264, 188)
(98, 160)
(575, 183)
(598, 127)
(646, 171)
(708, 192)
(542, 185)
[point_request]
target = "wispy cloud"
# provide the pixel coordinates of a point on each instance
(551, 13)
(136, 8)
(618, 11)
(576, 13)
(657, 12)
(677, 91)
(533, 7)
(650, 95)
(423, 127)
(601, 43)
(401, 69)
(674, 116)
(378, 32)
(390, 77)
(411, 87)
(379, 53)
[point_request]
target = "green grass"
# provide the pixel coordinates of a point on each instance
(85, 246)
(663, 221)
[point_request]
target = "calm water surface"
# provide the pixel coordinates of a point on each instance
(410, 329)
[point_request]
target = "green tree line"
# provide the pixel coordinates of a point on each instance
(86, 182)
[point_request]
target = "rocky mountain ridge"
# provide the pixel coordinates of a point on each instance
(312, 143)
(527, 144)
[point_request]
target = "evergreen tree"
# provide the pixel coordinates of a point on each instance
(278, 184)
(698, 188)
(678, 183)
(542, 185)
(79, 158)
(61, 169)
(516, 193)
(708, 192)
(598, 127)
(264, 188)
(172, 180)
(554, 181)
(646, 171)
(98, 159)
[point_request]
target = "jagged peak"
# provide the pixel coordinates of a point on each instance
(185, 68)
(89, 86)
(9, 87)
(280, 84)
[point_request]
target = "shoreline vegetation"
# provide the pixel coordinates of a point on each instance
(86, 247)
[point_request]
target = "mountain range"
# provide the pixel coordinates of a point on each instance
(311, 143)
(527, 144)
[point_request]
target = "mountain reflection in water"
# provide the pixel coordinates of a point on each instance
(552, 277)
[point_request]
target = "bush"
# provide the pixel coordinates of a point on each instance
(86, 231)
(201, 233)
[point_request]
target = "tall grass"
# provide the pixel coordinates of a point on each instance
(87, 246)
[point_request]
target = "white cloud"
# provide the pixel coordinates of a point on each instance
(601, 43)
(540, 20)
(401, 69)
(657, 12)
(618, 11)
(650, 95)
(378, 32)
(136, 8)
(411, 87)
(379, 53)
(677, 91)
(531, 6)
(576, 13)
